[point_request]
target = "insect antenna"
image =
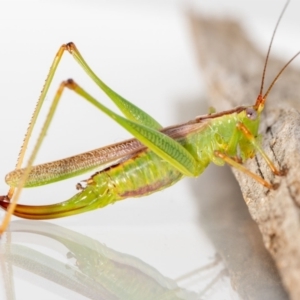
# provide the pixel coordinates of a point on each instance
(278, 75)
(270, 46)
(262, 98)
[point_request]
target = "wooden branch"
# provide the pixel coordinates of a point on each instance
(232, 69)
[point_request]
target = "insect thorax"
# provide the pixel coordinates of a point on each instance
(221, 134)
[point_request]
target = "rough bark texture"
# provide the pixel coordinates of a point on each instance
(232, 68)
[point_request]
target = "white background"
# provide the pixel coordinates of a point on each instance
(143, 50)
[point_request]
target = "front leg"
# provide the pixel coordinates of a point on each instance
(232, 162)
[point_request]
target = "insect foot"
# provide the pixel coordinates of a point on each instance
(283, 171)
(275, 186)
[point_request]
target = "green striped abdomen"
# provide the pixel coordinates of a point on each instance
(140, 175)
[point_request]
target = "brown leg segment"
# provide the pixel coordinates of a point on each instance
(253, 141)
(242, 168)
(11, 193)
(15, 196)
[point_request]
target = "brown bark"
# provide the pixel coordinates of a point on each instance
(232, 69)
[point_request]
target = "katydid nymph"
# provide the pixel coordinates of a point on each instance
(154, 159)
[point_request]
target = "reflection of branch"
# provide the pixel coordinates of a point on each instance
(232, 69)
(99, 272)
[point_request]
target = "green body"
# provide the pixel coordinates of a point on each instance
(145, 172)
(156, 159)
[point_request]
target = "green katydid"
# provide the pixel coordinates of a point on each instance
(155, 159)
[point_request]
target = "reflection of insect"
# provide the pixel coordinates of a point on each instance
(95, 270)
(156, 159)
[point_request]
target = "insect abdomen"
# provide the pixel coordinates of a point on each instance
(138, 176)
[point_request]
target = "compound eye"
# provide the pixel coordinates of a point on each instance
(251, 113)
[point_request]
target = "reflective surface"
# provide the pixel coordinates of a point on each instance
(150, 246)
(75, 264)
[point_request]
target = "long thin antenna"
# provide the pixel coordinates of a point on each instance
(278, 75)
(269, 50)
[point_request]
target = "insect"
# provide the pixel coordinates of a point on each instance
(155, 159)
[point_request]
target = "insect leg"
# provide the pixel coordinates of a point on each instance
(129, 110)
(16, 195)
(242, 168)
(254, 142)
(164, 146)
(161, 144)
(37, 109)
